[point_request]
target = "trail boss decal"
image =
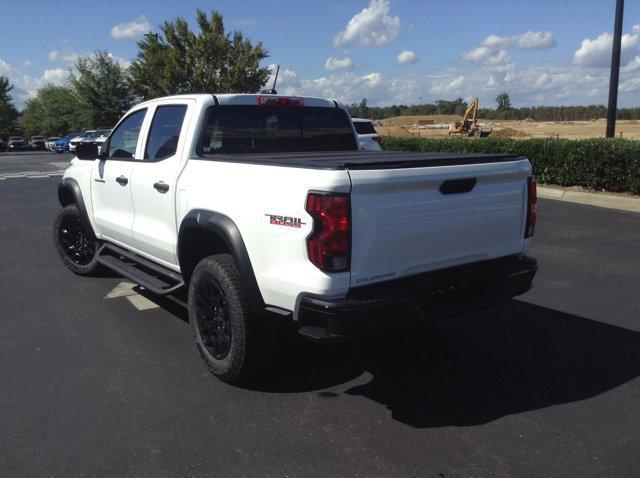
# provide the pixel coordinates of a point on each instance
(287, 221)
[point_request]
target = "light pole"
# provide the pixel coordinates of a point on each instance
(615, 70)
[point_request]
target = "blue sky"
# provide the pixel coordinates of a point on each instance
(389, 51)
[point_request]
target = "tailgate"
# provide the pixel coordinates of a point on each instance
(411, 220)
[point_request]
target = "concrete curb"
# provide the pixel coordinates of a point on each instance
(623, 203)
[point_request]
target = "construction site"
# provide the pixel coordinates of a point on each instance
(472, 126)
(439, 126)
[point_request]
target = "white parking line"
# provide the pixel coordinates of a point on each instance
(126, 289)
(31, 175)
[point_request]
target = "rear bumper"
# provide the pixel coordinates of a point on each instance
(415, 299)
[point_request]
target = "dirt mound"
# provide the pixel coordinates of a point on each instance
(507, 133)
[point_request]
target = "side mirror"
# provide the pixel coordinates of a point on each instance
(87, 151)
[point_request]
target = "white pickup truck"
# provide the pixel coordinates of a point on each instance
(263, 206)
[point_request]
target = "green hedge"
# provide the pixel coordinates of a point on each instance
(601, 164)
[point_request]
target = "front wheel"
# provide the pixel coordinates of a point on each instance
(76, 246)
(232, 342)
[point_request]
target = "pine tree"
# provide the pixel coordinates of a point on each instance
(179, 60)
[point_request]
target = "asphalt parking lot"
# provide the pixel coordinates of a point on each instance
(97, 381)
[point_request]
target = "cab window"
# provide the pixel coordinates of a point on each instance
(165, 132)
(123, 141)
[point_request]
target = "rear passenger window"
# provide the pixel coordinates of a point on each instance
(165, 132)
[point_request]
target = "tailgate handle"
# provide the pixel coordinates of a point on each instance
(458, 186)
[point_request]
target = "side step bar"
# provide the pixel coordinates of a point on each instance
(149, 275)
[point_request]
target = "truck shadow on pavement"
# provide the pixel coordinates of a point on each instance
(467, 370)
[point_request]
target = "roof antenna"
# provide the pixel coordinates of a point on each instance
(273, 91)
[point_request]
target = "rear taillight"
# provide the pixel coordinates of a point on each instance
(532, 206)
(377, 139)
(280, 101)
(330, 242)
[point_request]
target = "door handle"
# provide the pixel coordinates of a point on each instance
(161, 187)
(122, 181)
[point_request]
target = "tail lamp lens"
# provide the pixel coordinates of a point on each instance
(330, 242)
(532, 206)
(377, 139)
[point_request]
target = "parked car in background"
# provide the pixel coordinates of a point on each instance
(78, 139)
(37, 142)
(104, 134)
(16, 143)
(50, 142)
(368, 137)
(92, 138)
(62, 144)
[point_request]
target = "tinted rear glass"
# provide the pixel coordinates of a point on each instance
(364, 127)
(264, 129)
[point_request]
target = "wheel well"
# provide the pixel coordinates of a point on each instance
(65, 196)
(196, 243)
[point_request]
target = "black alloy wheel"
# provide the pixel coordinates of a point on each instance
(77, 244)
(213, 318)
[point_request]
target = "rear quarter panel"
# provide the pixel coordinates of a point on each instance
(249, 194)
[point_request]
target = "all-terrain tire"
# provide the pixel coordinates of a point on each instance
(76, 246)
(233, 343)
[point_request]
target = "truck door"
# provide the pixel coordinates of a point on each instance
(111, 180)
(153, 189)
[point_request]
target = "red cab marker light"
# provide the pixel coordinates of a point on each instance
(272, 100)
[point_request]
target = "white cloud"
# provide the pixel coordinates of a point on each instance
(333, 64)
(534, 41)
(495, 41)
(132, 30)
(478, 54)
(372, 26)
(66, 56)
(493, 45)
(407, 57)
(57, 76)
(633, 65)
(27, 63)
(372, 79)
(597, 52)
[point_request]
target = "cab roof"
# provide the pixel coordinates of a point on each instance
(240, 99)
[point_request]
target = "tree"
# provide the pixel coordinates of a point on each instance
(101, 89)
(53, 112)
(504, 102)
(8, 112)
(181, 61)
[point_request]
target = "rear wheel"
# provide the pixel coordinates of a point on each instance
(76, 245)
(232, 342)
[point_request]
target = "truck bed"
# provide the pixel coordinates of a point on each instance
(354, 160)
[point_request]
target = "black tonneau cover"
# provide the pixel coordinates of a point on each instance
(363, 159)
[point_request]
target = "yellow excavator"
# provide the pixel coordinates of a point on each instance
(469, 124)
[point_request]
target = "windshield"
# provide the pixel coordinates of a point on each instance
(15, 138)
(263, 129)
(38, 138)
(71, 135)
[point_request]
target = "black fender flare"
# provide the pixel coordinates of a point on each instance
(224, 227)
(69, 193)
